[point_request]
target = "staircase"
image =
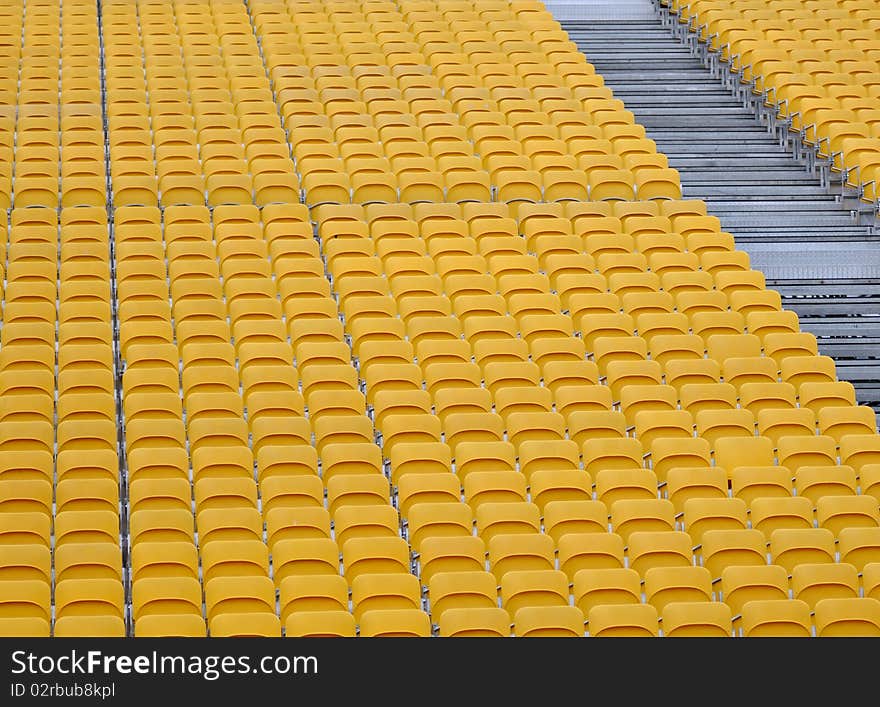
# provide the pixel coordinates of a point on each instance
(810, 248)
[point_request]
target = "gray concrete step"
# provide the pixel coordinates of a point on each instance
(778, 211)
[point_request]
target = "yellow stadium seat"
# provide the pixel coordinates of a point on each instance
(490, 622)
(641, 515)
(26, 599)
(24, 627)
(837, 513)
(673, 584)
(164, 596)
(244, 625)
(697, 619)
(839, 421)
(395, 623)
(815, 481)
(776, 617)
(318, 624)
(790, 547)
(813, 583)
(520, 552)
(89, 597)
(304, 556)
(313, 593)
(564, 517)
(462, 590)
(614, 484)
(89, 626)
(847, 616)
(549, 621)
(706, 514)
(636, 620)
(591, 550)
(533, 588)
(659, 549)
(743, 583)
(684, 483)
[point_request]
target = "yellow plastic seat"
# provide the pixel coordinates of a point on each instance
(847, 617)
(790, 547)
(462, 590)
(813, 583)
(641, 515)
(628, 620)
(824, 479)
(776, 617)
(743, 583)
(89, 597)
(566, 517)
(697, 619)
(89, 627)
(675, 584)
(244, 625)
(427, 520)
(492, 622)
(533, 588)
(548, 621)
(707, 514)
(24, 627)
(403, 623)
(25, 599)
(837, 513)
(451, 554)
(684, 483)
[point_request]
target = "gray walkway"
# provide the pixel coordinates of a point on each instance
(809, 247)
